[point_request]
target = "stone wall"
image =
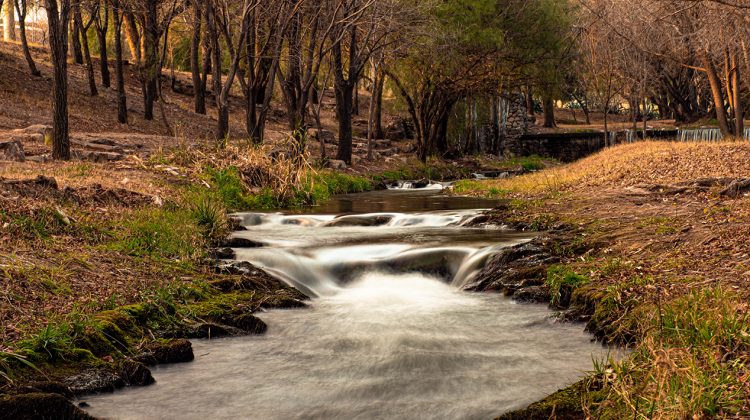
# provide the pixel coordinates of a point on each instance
(514, 122)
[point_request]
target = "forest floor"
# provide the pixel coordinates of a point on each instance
(663, 267)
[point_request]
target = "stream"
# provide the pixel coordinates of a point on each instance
(388, 334)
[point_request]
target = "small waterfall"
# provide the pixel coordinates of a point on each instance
(631, 136)
(417, 185)
(321, 254)
(711, 135)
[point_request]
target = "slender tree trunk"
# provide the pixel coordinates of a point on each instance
(530, 104)
(371, 112)
(645, 117)
(549, 112)
(716, 92)
(102, 27)
(207, 54)
(199, 91)
(379, 85)
(441, 142)
(57, 20)
(739, 123)
(355, 100)
(222, 124)
(21, 8)
(587, 113)
(76, 34)
(150, 65)
(344, 98)
(122, 104)
(606, 126)
(86, 52)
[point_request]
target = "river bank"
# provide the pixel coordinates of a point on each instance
(653, 257)
(104, 265)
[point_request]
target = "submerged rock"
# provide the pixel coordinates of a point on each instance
(359, 221)
(40, 406)
(236, 242)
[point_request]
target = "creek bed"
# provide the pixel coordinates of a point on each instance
(389, 333)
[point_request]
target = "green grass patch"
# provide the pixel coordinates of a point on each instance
(162, 233)
(692, 361)
(562, 282)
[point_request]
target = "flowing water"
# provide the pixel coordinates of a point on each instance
(388, 334)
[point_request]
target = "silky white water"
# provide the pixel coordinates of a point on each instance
(388, 334)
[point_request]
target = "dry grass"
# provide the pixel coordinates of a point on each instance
(651, 162)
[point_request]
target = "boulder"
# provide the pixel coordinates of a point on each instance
(96, 156)
(178, 350)
(135, 373)
(92, 381)
(336, 164)
(12, 150)
(248, 323)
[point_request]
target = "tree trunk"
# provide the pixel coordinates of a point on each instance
(21, 8)
(739, 123)
(530, 104)
(132, 35)
(122, 105)
(441, 142)
(549, 112)
(76, 37)
(355, 100)
(371, 113)
(86, 52)
(344, 98)
(222, 124)
(380, 82)
(199, 90)
(206, 53)
(150, 67)
(645, 117)
(57, 21)
(587, 113)
(716, 92)
(102, 27)
(9, 22)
